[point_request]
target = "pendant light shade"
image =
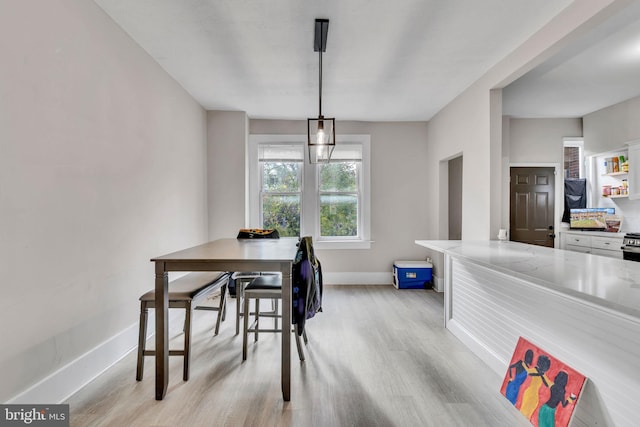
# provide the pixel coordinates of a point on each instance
(321, 134)
(321, 131)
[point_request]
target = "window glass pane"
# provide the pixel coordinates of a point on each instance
(572, 162)
(282, 212)
(283, 177)
(339, 177)
(338, 215)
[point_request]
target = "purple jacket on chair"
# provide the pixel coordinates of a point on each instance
(307, 284)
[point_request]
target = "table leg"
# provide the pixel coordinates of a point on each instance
(286, 332)
(162, 331)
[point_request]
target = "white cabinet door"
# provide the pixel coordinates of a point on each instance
(634, 170)
(608, 243)
(583, 249)
(577, 240)
(606, 252)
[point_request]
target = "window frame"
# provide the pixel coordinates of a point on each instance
(310, 203)
(262, 192)
(358, 194)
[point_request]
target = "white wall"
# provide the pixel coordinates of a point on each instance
(497, 221)
(227, 134)
(102, 167)
(398, 192)
(540, 140)
(447, 138)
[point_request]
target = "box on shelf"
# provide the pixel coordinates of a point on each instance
(412, 274)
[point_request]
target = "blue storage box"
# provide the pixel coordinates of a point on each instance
(412, 274)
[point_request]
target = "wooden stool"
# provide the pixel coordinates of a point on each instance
(269, 287)
(242, 279)
(185, 292)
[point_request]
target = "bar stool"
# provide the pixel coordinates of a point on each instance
(265, 287)
(186, 293)
(242, 279)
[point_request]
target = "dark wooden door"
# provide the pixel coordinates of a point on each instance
(532, 205)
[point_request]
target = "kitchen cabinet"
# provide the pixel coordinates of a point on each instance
(592, 242)
(634, 171)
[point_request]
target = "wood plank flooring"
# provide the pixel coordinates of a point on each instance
(376, 356)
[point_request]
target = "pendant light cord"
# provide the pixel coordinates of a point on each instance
(320, 88)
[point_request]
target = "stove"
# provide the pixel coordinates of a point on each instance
(631, 246)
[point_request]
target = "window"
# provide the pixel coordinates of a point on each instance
(339, 193)
(281, 187)
(573, 158)
(327, 201)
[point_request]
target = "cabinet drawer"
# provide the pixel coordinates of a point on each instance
(606, 252)
(611, 243)
(578, 240)
(576, 248)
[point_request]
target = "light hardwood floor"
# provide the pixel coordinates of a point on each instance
(376, 357)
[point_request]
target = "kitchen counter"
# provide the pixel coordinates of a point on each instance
(611, 283)
(583, 309)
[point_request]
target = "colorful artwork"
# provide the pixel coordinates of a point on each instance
(543, 388)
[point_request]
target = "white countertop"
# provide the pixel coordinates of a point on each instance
(607, 282)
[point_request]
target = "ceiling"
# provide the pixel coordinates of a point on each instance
(600, 69)
(385, 61)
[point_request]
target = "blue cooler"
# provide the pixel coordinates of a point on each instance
(412, 274)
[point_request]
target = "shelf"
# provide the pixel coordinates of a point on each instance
(615, 174)
(620, 196)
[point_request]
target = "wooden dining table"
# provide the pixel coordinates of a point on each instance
(273, 255)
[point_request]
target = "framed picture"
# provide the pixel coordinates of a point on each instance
(544, 389)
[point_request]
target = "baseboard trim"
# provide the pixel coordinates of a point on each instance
(66, 381)
(357, 278)
(438, 283)
(60, 385)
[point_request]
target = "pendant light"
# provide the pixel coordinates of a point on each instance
(321, 131)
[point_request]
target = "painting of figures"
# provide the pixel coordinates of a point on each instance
(544, 389)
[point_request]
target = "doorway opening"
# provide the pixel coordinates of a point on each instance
(455, 198)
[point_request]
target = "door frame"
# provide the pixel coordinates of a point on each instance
(443, 194)
(559, 190)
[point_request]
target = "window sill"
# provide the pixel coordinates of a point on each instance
(342, 244)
